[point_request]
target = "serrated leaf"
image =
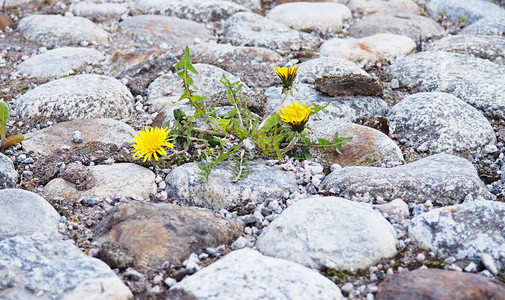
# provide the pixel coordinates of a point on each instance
(4, 114)
(317, 108)
(12, 140)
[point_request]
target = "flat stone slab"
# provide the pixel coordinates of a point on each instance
(26, 213)
(439, 122)
(412, 26)
(471, 10)
(348, 109)
(488, 47)
(127, 179)
(250, 29)
(304, 234)
(56, 30)
(307, 16)
(8, 174)
(378, 47)
(44, 267)
(464, 231)
(264, 182)
(438, 284)
(476, 81)
(59, 62)
(94, 130)
(442, 178)
(200, 11)
(86, 96)
(368, 147)
(158, 232)
(247, 272)
(163, 30)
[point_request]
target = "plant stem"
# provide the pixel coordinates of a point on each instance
(288, 147)
(190, 97)
(217, 133)
(274, 111)
(184, 151)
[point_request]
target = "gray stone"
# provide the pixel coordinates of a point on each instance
(251, 4)
(488, 47)
(247, 273)
(100, 11)
(347, 109)
(470, 10)
(94, 130)
(493, 25)
(41, 267)
(441, 122)
(86, 96)
(368, 147)
(8, 174)
(413, 26)
(11, 3)
(250, 29)
(201, 11)
(26, 213)
(184, 184)
(303, 234)
(253, 65)
(130, 180)
(442, 178)
(157, 30)
(368, 7)
(329, 66)
(378, 47)
(207, 80)
(308, 16)
(56, 30)
(463, 231)
(59, 62)
(158, 232)
(476, 81)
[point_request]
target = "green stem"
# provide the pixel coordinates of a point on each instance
(274, 111)
(288, 147)
(199, 108)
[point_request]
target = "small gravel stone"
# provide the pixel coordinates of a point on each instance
(170, 281)
(77, 137)
(472, 268)
(489, 263)
(91, 201)
(239, 243)
(420, 257)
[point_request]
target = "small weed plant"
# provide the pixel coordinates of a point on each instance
(7, 141)
(236, 136)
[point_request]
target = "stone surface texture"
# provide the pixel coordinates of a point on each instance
(320, 16)
(439, 284)
(60, 62)
(412, 26)
(304, 235)
(26, 213)
(184, 184)
(94, 130)
(200, 11)
(85, 96)
(8, 174)
(246, 274)
(55, 30)
(378, 47)
(469, 10)
(250, 29)
(476, 81)
(127, 179)
(464, 231)
(159, 232)
(440, 122)
(488, 47)
(442, 178)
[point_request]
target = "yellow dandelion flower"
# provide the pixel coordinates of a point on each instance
(296, 115)
(287, 76)
(150, 142)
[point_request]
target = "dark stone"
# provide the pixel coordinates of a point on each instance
(435, 284)
(79, 175)
(115, 256)
(349, 85)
